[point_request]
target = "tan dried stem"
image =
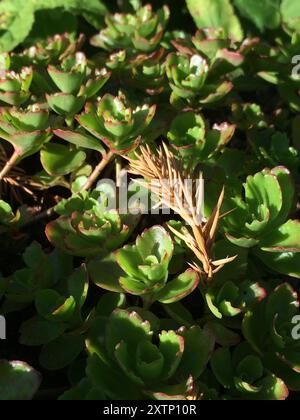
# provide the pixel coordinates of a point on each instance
(162, 166)
(97, 171)
(15, 180)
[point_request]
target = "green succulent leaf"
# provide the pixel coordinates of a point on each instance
(221, 365)
(18, 21)
(18, 381)
(113, 383)
(223, 336)
(6, 213)
(109, 302)
(149, 361)
(52, 306)
(27, 144)
(65, 104)
(283, 239)
(61, 352)
(265, 15)
(38, 331)
(171, 347)
(195, 341)
(146, 263)
(128, 327)
(216, 14)
(282, 262)
(67, 82)
(60, 160)
(78, 286)
(180, 287)
(290, 13)
(105, 273)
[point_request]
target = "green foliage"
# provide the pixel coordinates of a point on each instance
(216, 14)
(6, 213)
(18, 16)
(243, 374)
(261, 220)
(18, 381)
(141, 31)
(187, 76)
(87, 227)
(191, 135)
(27, 130)
(115, 123)
(119, 303)
(265, 14)
(273, 318)
(17, 19)
(129, 364)
(291, 13)
(145, 265)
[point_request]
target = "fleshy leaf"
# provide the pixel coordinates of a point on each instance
(18, 381)
(180, 287)
(216, 14)
(60, 160)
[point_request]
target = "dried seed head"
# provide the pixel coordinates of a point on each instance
(158, 167)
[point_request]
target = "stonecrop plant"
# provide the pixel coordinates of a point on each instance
(149, 200)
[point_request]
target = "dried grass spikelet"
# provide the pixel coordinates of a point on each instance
(158, 167)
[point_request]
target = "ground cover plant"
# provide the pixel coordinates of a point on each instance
(149, 200)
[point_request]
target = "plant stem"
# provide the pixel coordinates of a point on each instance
(97, 171)
(9, 165)
(147, 302)
(118, 171)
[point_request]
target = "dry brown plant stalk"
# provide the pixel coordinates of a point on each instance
(16, 180)
(158, 167)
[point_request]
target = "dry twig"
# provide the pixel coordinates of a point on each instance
(16, 180)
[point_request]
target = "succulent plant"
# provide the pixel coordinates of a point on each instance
(18, 381)
(15, 87)
(117, 61)
(189, 79)
(261, 220)
(76, 83)
(26, 129)
(70, 74)
(86, 227)
(58, 321)
(233, 298)
(129, 365)
(242, 374)
(52, 50)
(248, 116)
(227, 54)
(148, 73)
(122, 304)
(268, 328)
(274, 148)
(210, 41)
(37, 273)
(192, 137)
(142, 31)
(145, 267)
(118, 125)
